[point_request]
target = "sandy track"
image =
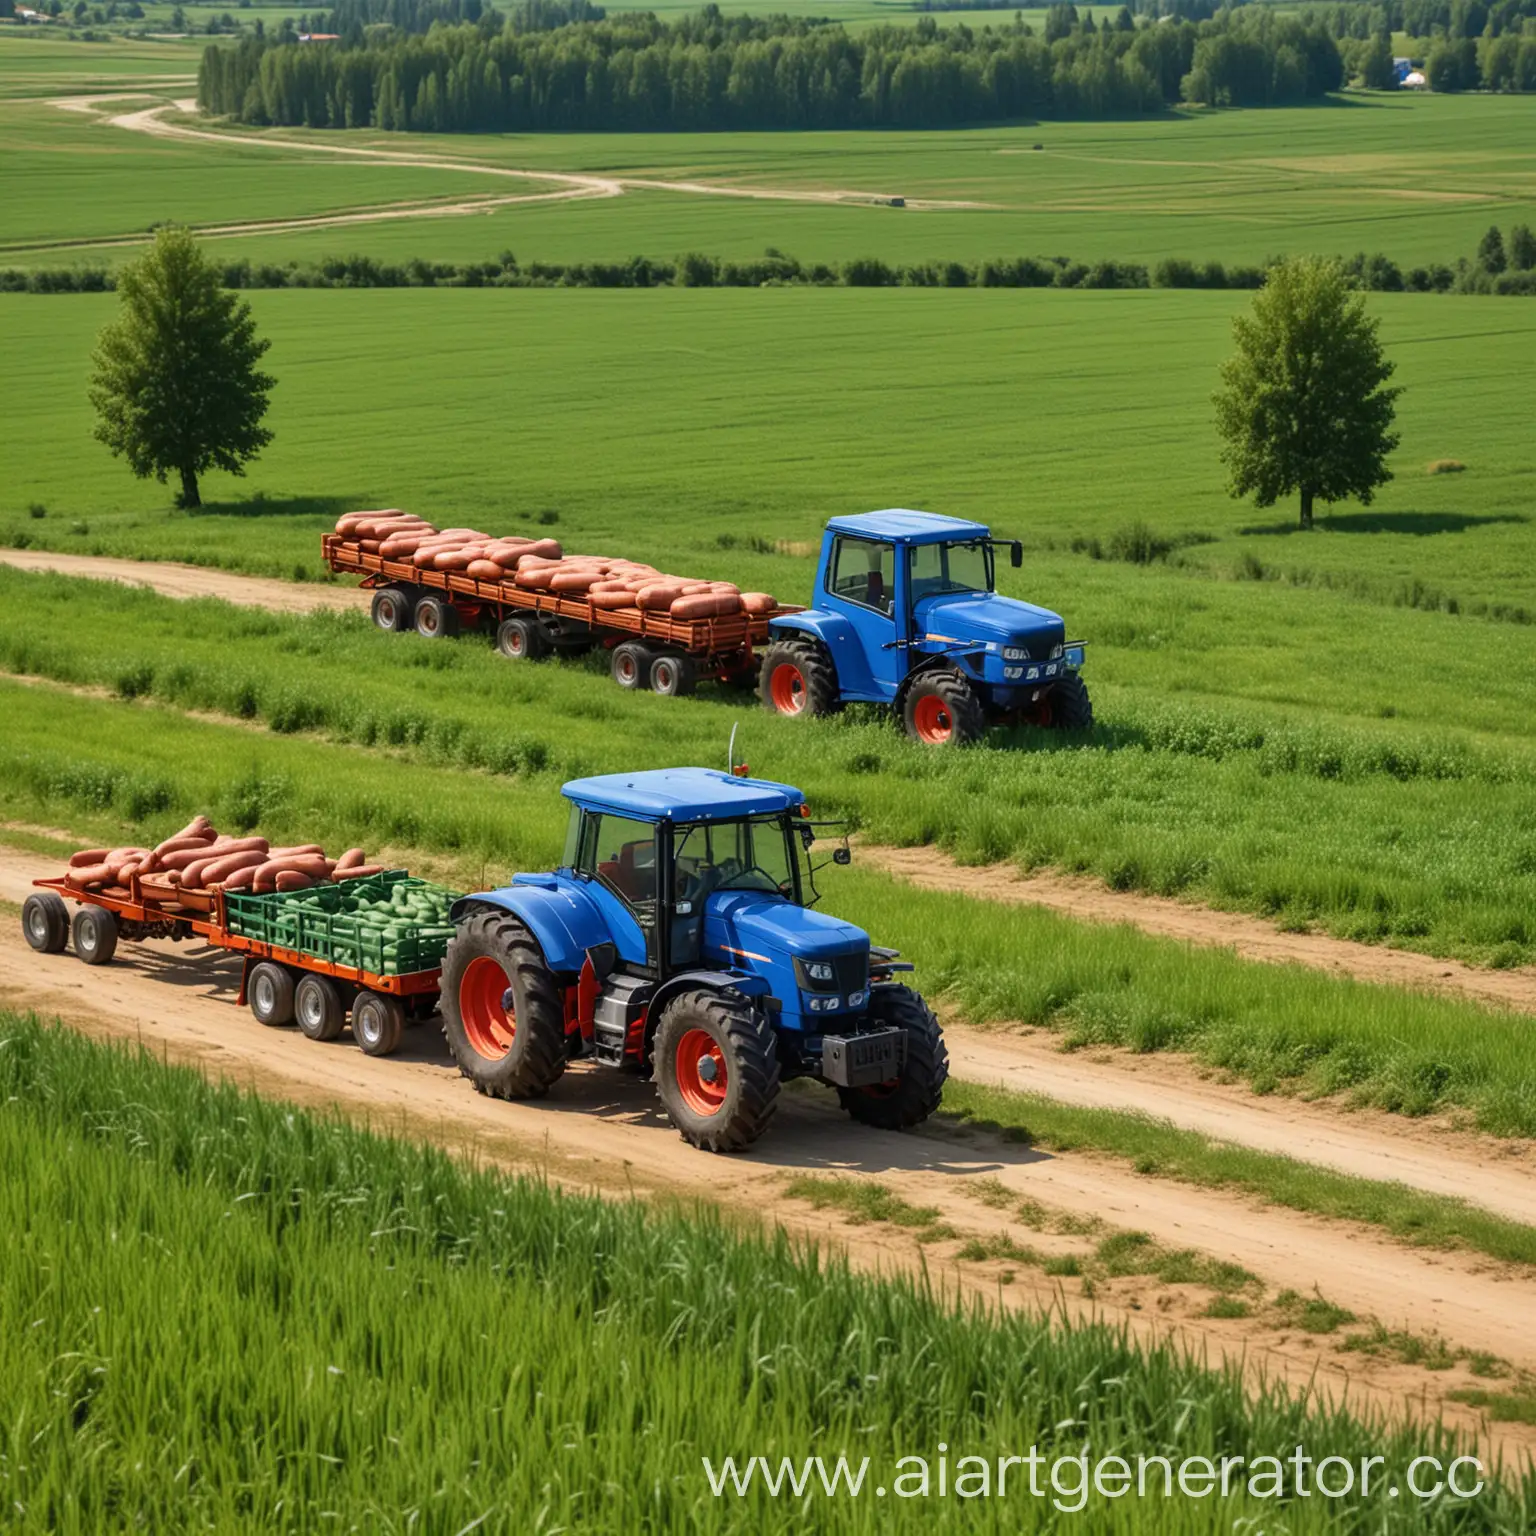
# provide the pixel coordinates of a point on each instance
(568, 185)
(1250, 937)
(184, 581)
(602, 1130)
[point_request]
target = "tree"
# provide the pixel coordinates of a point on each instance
(1303, 405)
(176, 387)
(1376, 71)
(1522, 248)
(1490, 251)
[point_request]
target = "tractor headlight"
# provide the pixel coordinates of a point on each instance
(856, 999)
(1015, 653)
(819, 970)
(1056, 653)
(821, 1004)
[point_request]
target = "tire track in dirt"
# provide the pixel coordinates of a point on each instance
(602, 1130)
(1250, 937)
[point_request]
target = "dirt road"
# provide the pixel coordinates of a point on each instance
(602, 1130)
(1250, 937)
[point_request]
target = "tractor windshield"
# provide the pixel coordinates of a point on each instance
(751, 855)
(959, 567)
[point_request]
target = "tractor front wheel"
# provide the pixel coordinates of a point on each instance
(798, 678)
(503, 1014)
(942, 710)
(909, 1099)
(717, 1070)
(1067, 706)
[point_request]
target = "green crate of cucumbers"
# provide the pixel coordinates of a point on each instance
(390, 924)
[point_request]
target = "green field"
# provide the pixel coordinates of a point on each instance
(266, 1314)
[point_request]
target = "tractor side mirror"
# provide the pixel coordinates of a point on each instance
(684, 909)
(842, 856)
(1016, 555)
(807, 837)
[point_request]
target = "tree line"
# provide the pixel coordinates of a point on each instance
(1503, 264)
(710, 72)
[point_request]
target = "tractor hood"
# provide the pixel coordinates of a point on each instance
(963, 618)
(749, 926)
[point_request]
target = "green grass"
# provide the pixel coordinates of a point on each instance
(1160, 1149)
(1426, 839)
(269, 1315)
(104, 765)
(863, 1201)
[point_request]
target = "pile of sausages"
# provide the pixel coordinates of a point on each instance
(541, 565)
(198, 858)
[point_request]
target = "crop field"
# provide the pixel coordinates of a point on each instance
(1183, 1196)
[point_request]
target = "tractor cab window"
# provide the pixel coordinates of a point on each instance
(752, 855)
(956, 567)
(864, 572)
(622, 854)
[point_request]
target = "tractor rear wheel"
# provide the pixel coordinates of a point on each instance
(503, 1013)
(45, 922)
(798, 678)
(942, 710)
(95, 935)
(915, 1094)
(1067, 706)
(717, 1070)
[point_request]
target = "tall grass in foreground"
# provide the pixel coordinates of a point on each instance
(227, 1313)
(108, 766)
(1375, 831)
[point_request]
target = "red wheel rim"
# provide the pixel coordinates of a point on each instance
(625, 668)
(787, 688)
(701, 1074)
(931, 720)
(426, 619)
(515, 642)
(488, 1026)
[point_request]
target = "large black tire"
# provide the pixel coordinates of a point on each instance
(394, 609)
(631, 664)
(916, 1093)
(716, 1065)
(516, 1054)
(317, 1007)
(674, 676)
(269, 991)
(95, 935)
(520, 639)
(941, 709)
(436, 617)
(798, 677)
(45, 922)
(378, 1022)
(1067, 706)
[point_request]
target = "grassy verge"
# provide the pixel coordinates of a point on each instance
(108, 767)
(1161, 1150)
(1376, 832)
(269, 1316)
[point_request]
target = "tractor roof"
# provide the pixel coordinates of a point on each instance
(682, 794)
(909, 527)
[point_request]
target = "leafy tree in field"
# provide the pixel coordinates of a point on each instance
(1304, 406)
(1522, 248)
(176, 387)
(1376, 72)
(1490, 251)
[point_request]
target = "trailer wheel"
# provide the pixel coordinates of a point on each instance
(717, 1070)
(941, 710)
(673, 676)
(503, 1013)
(522, 640)
(798, 678)
(632, 664)
(269, 989)
(317, 1007)
(45, 922)
(436, 617)
(912, 1097)
(378, 1022)
(394, 609)
(95, 935)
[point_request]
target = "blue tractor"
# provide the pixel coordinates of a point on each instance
(679, 937)
(906, 614)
